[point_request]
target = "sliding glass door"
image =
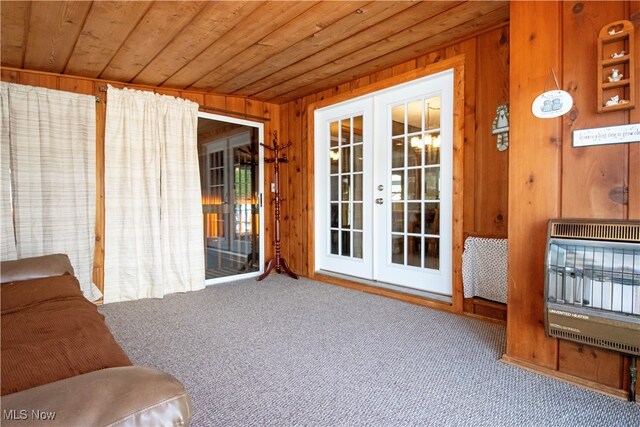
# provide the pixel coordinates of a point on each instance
(231, 180)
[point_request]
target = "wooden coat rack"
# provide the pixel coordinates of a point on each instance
(278, 262)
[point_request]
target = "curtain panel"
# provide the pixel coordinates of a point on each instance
(7, 231)
(49, 176)
(154, 243)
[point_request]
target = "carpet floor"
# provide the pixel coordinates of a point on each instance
(286, 352)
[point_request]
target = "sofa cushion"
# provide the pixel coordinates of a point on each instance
(50, 331)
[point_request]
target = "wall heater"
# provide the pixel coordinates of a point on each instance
(592, 289)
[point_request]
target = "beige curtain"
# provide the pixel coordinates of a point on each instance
(153, 209)
(7, 232)
(51, 138)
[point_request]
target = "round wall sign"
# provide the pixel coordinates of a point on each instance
(553, 103)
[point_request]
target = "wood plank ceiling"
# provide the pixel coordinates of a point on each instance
(270, 50)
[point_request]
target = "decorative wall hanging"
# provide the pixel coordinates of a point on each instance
(277, 262)
(553, 103)
(606, 135)
(616, 69)
(501, 127)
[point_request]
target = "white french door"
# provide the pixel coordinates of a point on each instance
(384, 175)
(343, 177)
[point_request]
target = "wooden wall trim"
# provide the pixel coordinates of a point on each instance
(457, 64)
(567, 378)
(408, 76)
(534, 176)
(101, 82)
(311, 194)
(458, 182)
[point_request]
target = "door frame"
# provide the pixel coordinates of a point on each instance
(260, 127)
(457, 64)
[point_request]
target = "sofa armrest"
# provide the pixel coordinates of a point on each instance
(124, 396)
(35, 268)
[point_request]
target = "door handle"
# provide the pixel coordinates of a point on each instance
(379, 201)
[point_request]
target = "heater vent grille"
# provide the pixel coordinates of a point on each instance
(624, 348)
(596, 231)
(592, 283)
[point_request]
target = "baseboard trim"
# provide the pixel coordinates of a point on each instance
(485, 318)
(485, 309)
(412, 299)
(567, 378)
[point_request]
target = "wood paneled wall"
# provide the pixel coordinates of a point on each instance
(238, 105)
(541, 173)
(486, 70)
(549, 178)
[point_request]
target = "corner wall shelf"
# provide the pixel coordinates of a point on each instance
(616, 57)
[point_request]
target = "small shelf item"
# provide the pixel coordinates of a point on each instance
(616, 67)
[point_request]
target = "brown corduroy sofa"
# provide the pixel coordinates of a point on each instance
(60, 363)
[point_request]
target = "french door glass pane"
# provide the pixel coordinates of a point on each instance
(345, 138)
(346, 222)
(414, 257)
(432, 218)
(333, 141)
(397, 217)
(415, 183)
(414, 218)
(397, 249)
(357, 158)
(432, 113)
(414, 152)
(432, 253)
(357, 187)
(414, 117)
(397, 120)
(334, 241)
(432, 150)
(357, 129)
(345, 158)
(432, 183)
(346, 186)
(334, 188)
(397, 152)
(357, 244)
(346, 244)
(334, 156)
(357, 216)
(397, 185)
(334, 215)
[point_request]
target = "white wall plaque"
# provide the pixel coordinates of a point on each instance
(607, 135)
(553, 103)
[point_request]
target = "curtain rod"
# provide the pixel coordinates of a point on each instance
(212, 109)
(233, 113)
